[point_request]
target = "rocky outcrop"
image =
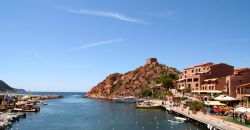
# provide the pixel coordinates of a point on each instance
(5, 87)
(132, 82)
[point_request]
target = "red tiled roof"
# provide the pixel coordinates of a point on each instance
(241, 70)
(200, 65)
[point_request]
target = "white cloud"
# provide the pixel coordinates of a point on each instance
(109, 14)
(95, 44)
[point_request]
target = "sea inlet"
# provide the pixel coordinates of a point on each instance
(76, 113)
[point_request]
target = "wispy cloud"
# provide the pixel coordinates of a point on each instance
(100, 13)
(95, 44)
(108, 14)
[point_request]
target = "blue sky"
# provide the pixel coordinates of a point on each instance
(62, 45)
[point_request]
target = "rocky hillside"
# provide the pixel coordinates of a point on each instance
(5, 87)
(152, 76)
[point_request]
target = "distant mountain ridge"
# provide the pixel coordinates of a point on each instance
(133, 83)
(6, 88)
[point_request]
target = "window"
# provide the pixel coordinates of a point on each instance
(192, 71)
(180, 77)
(189, 80)
(212, 87)
(197, 85)
(189, 85)
(185, 72)
(196, 79)
(199, 69)
(209, 87)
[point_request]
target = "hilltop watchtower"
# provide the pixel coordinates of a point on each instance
(151, 61)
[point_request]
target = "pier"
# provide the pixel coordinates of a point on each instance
(209, 120)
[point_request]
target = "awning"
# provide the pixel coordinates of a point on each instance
(224, 98)
(181, 88)
(206, 91)
(207, 80)
(214, 103)
(179, 80)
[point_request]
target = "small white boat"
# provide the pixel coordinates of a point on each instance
(174, 121)
(130, 99)
(180, 119)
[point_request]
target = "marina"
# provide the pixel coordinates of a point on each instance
(15, 106)
(74, 112)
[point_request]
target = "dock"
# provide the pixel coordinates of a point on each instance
(209, 120)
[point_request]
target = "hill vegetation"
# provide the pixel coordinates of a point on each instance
(151, 80)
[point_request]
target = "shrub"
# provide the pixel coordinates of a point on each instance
(146, 92)
(196, 106)
(159, 94)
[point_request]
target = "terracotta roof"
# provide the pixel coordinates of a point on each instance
(243, 85)
(200, 65)
(241, 70)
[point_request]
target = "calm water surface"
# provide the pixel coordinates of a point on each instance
(76, 113)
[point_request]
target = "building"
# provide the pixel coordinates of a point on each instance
(152, 61)
(205, 77)
(238, 83)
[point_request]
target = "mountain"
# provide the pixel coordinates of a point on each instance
(150, 80)
(6, 88)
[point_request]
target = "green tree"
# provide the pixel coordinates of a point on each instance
(146, 92)
(196, 105)
(165, 80)
(159, 94)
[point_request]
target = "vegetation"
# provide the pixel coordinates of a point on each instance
(146, 92)
(159, 94)
(230, 119)
(196, 106)
(166, 80)
(178, 99)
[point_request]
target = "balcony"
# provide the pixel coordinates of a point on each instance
(208, 87)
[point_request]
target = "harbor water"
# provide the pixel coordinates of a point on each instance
(75, 113)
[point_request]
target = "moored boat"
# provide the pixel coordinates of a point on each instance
(148, 105)
(130, 99)
(27, 108)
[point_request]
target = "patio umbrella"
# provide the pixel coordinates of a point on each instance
(214, 103)
(224, 98)
(242, 109)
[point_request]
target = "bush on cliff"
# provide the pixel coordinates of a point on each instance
(159, 94)
(166, 80)
(147, 92)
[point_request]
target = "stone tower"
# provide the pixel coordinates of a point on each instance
(151, 61)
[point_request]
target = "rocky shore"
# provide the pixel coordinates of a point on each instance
(14, 106)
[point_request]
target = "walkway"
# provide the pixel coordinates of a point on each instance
(209, 119)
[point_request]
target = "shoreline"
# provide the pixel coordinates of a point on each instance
(15, 106)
